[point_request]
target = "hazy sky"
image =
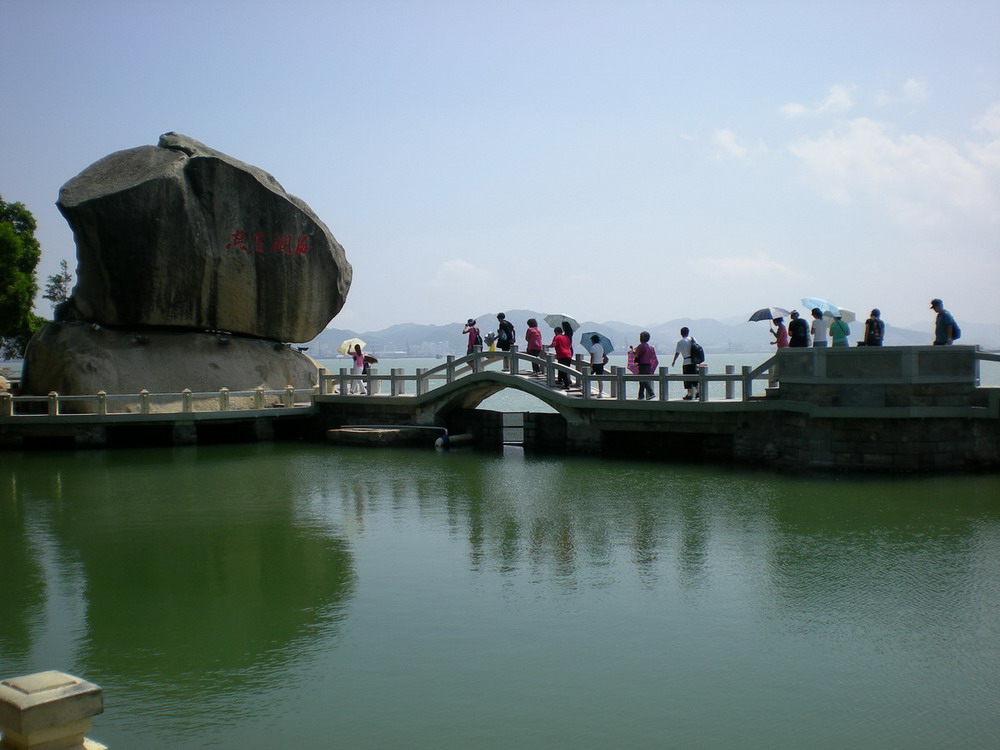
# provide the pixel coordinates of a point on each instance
(635, 161)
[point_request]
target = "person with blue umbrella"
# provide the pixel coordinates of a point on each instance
(598, 357)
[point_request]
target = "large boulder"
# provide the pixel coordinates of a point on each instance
(183, 236)
(84, 358)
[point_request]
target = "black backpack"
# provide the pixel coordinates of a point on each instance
(697, 353)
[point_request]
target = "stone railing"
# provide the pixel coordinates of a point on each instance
(614, 382)
(144, 403)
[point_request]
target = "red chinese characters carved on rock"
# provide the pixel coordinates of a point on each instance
(280, 243)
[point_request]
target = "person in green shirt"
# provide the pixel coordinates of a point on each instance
(839, 330)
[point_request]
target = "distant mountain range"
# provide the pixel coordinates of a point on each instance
(719, 336)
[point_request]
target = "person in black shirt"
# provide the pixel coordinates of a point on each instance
(798, 331)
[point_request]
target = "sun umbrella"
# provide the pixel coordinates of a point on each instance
(556, 321)
(768, 313)
(585, 339)
(829, 309)
(347, 346)
(825, 306)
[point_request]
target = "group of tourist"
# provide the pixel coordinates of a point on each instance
(642, 357)
(820, 333)
(799, 332)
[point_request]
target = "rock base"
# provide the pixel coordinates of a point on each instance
(82, 359)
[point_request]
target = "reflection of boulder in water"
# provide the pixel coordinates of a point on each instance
(194, 570)
(219, 600)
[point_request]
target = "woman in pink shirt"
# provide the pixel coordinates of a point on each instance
(358, 386)
(780, 335)
(533, 343)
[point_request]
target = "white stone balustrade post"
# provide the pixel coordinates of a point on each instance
(619, 383)
(662, 392)
(730, 385)
(289, 396)
(322, 381)
(449, 370)
(702, 383)
(223, 399)
(186, 401)
(515, 367)
(747, 383)
(53, 404)
(421, 381)
(102, 404)
(144, 401)
(394, 382)
(258, 397)
(48, 711)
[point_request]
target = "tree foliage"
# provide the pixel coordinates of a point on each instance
(58, 285)
(19, 254)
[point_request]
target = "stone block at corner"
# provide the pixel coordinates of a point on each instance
(46, 700)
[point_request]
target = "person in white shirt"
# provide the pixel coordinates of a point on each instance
(820, 330)
(598, 358)
(683, 350)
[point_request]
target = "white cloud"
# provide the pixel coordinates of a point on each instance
(988, 153)
(747, 267)
(918, 180)
(728, 145)
(838, 99)
(455, 274)
(913, 92)
(989, 123)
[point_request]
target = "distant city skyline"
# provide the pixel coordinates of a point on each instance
(617, 161)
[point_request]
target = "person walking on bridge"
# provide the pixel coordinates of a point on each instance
(645, 358)
(564, 355)
(944, 325)
(688, 367)
(598, 358)
(474, 338)
(533, 343)
(505, 337)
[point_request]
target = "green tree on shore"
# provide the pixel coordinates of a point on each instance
(19, 254)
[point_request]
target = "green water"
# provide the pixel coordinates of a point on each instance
(260, 596)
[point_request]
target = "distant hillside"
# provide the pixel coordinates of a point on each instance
(413, 340)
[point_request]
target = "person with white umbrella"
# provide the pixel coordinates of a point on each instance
(358, 386)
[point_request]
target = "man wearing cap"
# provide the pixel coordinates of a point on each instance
(944, 327)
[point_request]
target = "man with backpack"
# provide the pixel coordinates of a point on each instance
(505, 336)
(945, 328)
(691, 355)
